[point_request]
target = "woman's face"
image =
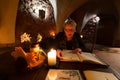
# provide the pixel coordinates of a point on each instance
(69, 31)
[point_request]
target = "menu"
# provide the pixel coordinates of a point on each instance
(98, 75)
(63, 74)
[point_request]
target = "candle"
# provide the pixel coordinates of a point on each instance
(52, 58)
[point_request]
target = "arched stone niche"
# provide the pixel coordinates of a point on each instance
(33, 17)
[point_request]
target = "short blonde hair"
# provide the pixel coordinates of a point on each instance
(71, 22)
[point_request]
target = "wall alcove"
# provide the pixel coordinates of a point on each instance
(107, 29)
(108, 23)
(33, 17)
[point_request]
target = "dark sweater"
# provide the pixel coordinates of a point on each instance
(62, 43)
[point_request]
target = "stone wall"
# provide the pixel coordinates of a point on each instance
(34, 17)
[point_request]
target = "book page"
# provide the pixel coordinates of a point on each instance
(89, 57)
(61, 74)
(68, 55)
(97, 75)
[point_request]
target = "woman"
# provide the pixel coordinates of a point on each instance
(69, 39)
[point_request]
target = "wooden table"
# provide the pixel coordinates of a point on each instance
(41, 72)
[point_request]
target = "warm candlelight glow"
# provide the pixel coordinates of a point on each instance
(36, 48)
(52, 33)
(52, 57)
(81, 36)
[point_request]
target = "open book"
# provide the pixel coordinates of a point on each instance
(98, 75)
(68, 55)
(63, 74)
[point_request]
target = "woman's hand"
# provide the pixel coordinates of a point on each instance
(59, 53)
(77, 50)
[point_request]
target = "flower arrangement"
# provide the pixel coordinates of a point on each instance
(36, 55)
(27, 41)
(27, 38)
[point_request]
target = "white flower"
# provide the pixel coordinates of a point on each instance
(39, 38)
(25, 37)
